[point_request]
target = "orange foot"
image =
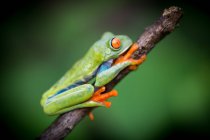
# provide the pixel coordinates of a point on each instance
(99, 97)
(127, 56)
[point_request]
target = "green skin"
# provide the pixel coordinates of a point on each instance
(78, 97)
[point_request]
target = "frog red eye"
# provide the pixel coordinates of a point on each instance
(115, 43)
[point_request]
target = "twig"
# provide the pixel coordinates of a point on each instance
(65, 123)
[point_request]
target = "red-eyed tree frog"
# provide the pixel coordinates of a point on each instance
(83, 85)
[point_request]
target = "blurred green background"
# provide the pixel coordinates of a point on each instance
(168, 97)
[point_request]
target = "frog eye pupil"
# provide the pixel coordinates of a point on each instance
(115, 43)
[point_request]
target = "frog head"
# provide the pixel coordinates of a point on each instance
(113, 46)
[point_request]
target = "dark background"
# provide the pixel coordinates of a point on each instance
(168, 97)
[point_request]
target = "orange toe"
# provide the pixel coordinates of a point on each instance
(99, 91)
(113, 93)
(107, 104)
(91, 116)
(104, 96)
(132, 67)
(138, 61)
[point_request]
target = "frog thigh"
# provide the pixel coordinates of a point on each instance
(82, 105)
(68, 98)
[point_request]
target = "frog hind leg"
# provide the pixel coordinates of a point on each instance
(98, 99)
(68, 100)
(89, 99)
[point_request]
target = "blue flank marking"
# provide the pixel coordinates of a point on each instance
(74, 85)
(106, 65)
(68, 88)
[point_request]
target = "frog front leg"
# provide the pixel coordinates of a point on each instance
(106, 76)
(127, 56)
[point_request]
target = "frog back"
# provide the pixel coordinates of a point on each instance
(81, 72)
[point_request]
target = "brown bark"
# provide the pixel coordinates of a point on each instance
(65, 123)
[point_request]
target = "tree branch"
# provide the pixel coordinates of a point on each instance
(65, 123)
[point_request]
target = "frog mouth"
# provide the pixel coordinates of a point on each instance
(124, 51)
